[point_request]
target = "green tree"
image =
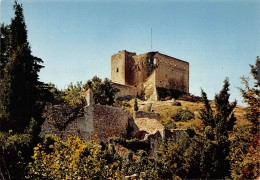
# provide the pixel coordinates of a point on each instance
(218, 124)
(103, 91)
(19, 87)
(246, 146)
(73, 94)
(205, 155)
(19, 77)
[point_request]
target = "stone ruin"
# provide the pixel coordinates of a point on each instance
(152, 75)
(104, 121)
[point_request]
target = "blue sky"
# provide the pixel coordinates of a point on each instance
(76, 38)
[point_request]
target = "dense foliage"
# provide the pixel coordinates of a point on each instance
(73, 95)
(72, 159)
(19, 89)
(245, 150)
(172, 115)
(103, 91)
(19, 75)
(217, 150)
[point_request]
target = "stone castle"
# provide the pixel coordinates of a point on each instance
(143, 74)
(148, 74)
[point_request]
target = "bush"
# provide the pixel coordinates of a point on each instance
(184, 115)
(71, 159)
(170, 124)
(122, 104)
(176, 115)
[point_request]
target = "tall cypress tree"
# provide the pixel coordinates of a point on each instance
(214, 161)
(19, 78)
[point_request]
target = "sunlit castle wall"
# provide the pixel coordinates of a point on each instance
(171, 73)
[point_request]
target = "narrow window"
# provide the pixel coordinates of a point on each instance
(117, 70)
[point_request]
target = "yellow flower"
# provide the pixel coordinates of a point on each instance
(39, 145)
(51, 146)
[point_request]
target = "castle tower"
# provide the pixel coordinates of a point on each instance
(121, 65)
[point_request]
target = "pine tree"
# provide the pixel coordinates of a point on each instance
(218, 124)
(19, 77)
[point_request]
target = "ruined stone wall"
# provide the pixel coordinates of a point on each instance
(125, 90)
(129, 63)
(130, 69)
(139, 71)
(151, 115)
(110, 121)
(150, 87)
(64, 120)
(171, 73)
(105, 121)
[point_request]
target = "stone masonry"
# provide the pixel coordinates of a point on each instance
(144, 73)
(104, 121)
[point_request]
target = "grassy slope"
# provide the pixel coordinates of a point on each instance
(162, 106)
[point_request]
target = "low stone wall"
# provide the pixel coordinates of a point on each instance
(151, 115)
(65, 120)
(110, 121)
(105, 121)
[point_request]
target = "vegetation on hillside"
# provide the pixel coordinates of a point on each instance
(74, 95)
(19, 89)
(103, 91)
(215, 144)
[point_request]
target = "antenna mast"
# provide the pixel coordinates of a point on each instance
(151, 39)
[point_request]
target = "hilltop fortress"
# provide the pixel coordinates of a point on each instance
(148, 75)
(152, 75)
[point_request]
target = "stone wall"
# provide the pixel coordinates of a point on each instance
(125, 90)
(64, 120)
(171, 73)
(121, 65)
(110, 121)
(104, 121)
(130, 69)
(149, 87)
(142, 114)
(118, 68)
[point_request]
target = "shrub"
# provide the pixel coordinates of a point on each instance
(122, 104)
(177, 114)
(184, 114)
(71, 159)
